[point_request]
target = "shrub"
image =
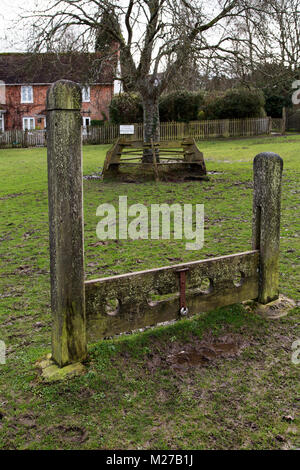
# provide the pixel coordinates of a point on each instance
(201, 115)
(126, 108)
(275, 80)
(275, 102)
(236, 104)
(180, 106)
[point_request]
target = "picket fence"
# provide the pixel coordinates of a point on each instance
(22, 139)
(293, 120)
(108, 134)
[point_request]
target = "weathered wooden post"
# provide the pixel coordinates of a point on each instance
(270, 124)
(66, 222)
(25, 145)
(267, 169)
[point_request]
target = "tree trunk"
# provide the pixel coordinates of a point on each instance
(151, 127)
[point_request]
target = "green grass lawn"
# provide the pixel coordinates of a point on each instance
(130, 396)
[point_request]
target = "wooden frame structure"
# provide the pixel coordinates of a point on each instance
(80, 308)
(183, 155)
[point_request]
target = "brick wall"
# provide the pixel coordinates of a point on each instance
(101, 96)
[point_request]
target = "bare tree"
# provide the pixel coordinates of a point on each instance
(268, 40)
(284, 30)
(156, 38)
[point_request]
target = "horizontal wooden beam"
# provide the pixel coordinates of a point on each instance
(129, 301)
(169, 159)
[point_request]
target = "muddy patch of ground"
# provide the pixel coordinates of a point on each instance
(276, 309)
(70, 433)
(197, 353)
(8, 196)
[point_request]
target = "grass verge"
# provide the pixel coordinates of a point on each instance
(132, 395)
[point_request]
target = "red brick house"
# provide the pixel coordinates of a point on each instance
(25, 79)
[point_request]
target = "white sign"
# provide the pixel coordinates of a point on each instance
(125, 129)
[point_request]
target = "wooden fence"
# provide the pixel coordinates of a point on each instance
(169, 131)
(177, 130)
(293, 120)
(278, 125)
(106, 134)
(82, 310)
(21, 139)
(222, 128)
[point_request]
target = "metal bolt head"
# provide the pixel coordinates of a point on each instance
(184, 311)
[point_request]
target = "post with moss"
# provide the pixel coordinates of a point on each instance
(267, 169)
(66, 222)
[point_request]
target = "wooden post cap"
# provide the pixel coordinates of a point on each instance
(64, 95)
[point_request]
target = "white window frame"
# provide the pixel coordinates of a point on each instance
(118, 85)
(31, 119)
(84, 118)
(84, 127)
(27, 94)
(2, 125)
(86, 94)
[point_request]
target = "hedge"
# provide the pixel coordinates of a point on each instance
(126, 108)
(236, 103)
(185, 106)
(180, 106)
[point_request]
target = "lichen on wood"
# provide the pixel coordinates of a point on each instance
(267, 168)
(132, 293)
(173, 157)
(66, 223)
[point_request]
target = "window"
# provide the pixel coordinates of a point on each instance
(118, 86)
(26, 94)
(28, 123)
(1, 122)
(86, 94)
(40, 123)
(86, 121)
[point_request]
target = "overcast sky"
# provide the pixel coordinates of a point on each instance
(10, 39)
(13, 37)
